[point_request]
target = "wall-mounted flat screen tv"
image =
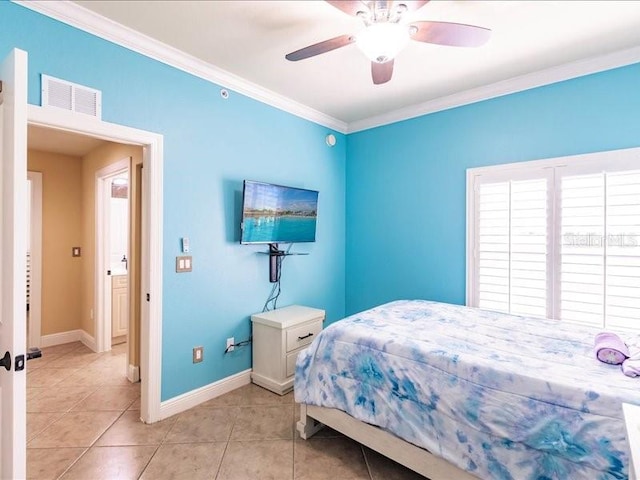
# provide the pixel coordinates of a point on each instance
(277, 214)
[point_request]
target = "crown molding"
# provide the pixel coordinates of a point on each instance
(77, 16)
(540, 78)
(73, 14)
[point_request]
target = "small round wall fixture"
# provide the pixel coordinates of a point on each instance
(330, 139)
(224, 93)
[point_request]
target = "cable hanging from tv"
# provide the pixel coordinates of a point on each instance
(276, 257)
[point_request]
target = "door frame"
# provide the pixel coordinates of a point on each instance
(35, 232)
(103, 229)
(151, 236)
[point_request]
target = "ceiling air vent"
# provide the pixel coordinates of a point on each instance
(71, 97)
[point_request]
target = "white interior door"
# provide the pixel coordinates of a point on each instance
(104, 267)
(13, 252)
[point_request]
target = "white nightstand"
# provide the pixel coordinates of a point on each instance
(278, 337)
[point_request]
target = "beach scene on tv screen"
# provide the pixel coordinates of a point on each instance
(278, 214)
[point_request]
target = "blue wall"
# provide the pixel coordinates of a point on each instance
(404, 184)
(210, 146)
(406, 181)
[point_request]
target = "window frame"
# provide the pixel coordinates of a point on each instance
(556, 168)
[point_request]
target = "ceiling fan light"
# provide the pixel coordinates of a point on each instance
(381, 42)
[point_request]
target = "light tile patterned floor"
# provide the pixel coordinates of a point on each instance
(83, 423)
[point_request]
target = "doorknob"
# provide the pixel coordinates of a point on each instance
(6, 361)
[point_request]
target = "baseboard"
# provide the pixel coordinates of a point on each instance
(60, 338)
(133, 373)
(281, 388)
(200, 395)
(69, 336)
(88, 340)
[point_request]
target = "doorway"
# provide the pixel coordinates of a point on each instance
(85, 238)
(117, 234)
(113, 254)
(150, 239)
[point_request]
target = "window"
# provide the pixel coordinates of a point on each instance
(512, 246)
(557, 238)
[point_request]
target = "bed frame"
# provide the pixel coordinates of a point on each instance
(632, 422)
(313, 418)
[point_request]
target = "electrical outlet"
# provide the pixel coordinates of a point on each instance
(230, 342)
(198, 354)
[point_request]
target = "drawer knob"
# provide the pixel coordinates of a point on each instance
(306, 336)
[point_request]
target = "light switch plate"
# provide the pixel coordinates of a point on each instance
(76, 251)
(198, 354)
(184, 263)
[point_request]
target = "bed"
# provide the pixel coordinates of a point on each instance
(455, 392)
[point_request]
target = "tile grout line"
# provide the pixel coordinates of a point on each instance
(160, 444)
(238, 424)
(92, 445)
(99, 436)
(366, 461)
(70, 410)
(80, 368)
(94, 442)
(226, 446)
(149, 461)
(107, 429)
(86, 449)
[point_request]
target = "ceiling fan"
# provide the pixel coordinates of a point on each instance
(386, 34)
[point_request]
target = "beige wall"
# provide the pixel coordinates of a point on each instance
(61, 230)
(94, 161)
(68, 220)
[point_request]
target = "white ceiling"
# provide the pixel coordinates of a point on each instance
(250, 38)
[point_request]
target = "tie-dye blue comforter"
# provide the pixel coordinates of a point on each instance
(501, 396)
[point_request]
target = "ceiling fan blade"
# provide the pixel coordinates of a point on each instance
(350, 7)
(411, 6)
(451, 34)
(381, 72)
(321, 47)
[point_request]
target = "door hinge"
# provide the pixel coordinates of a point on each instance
(148, 297)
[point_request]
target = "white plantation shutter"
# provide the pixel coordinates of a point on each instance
(582, 253)
(558, 238)
(511, 249)
(622, 286)
(529, 237)
(493, 246)
(600, 253)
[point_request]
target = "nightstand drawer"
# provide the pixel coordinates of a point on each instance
(291, 363)
(300, 336)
